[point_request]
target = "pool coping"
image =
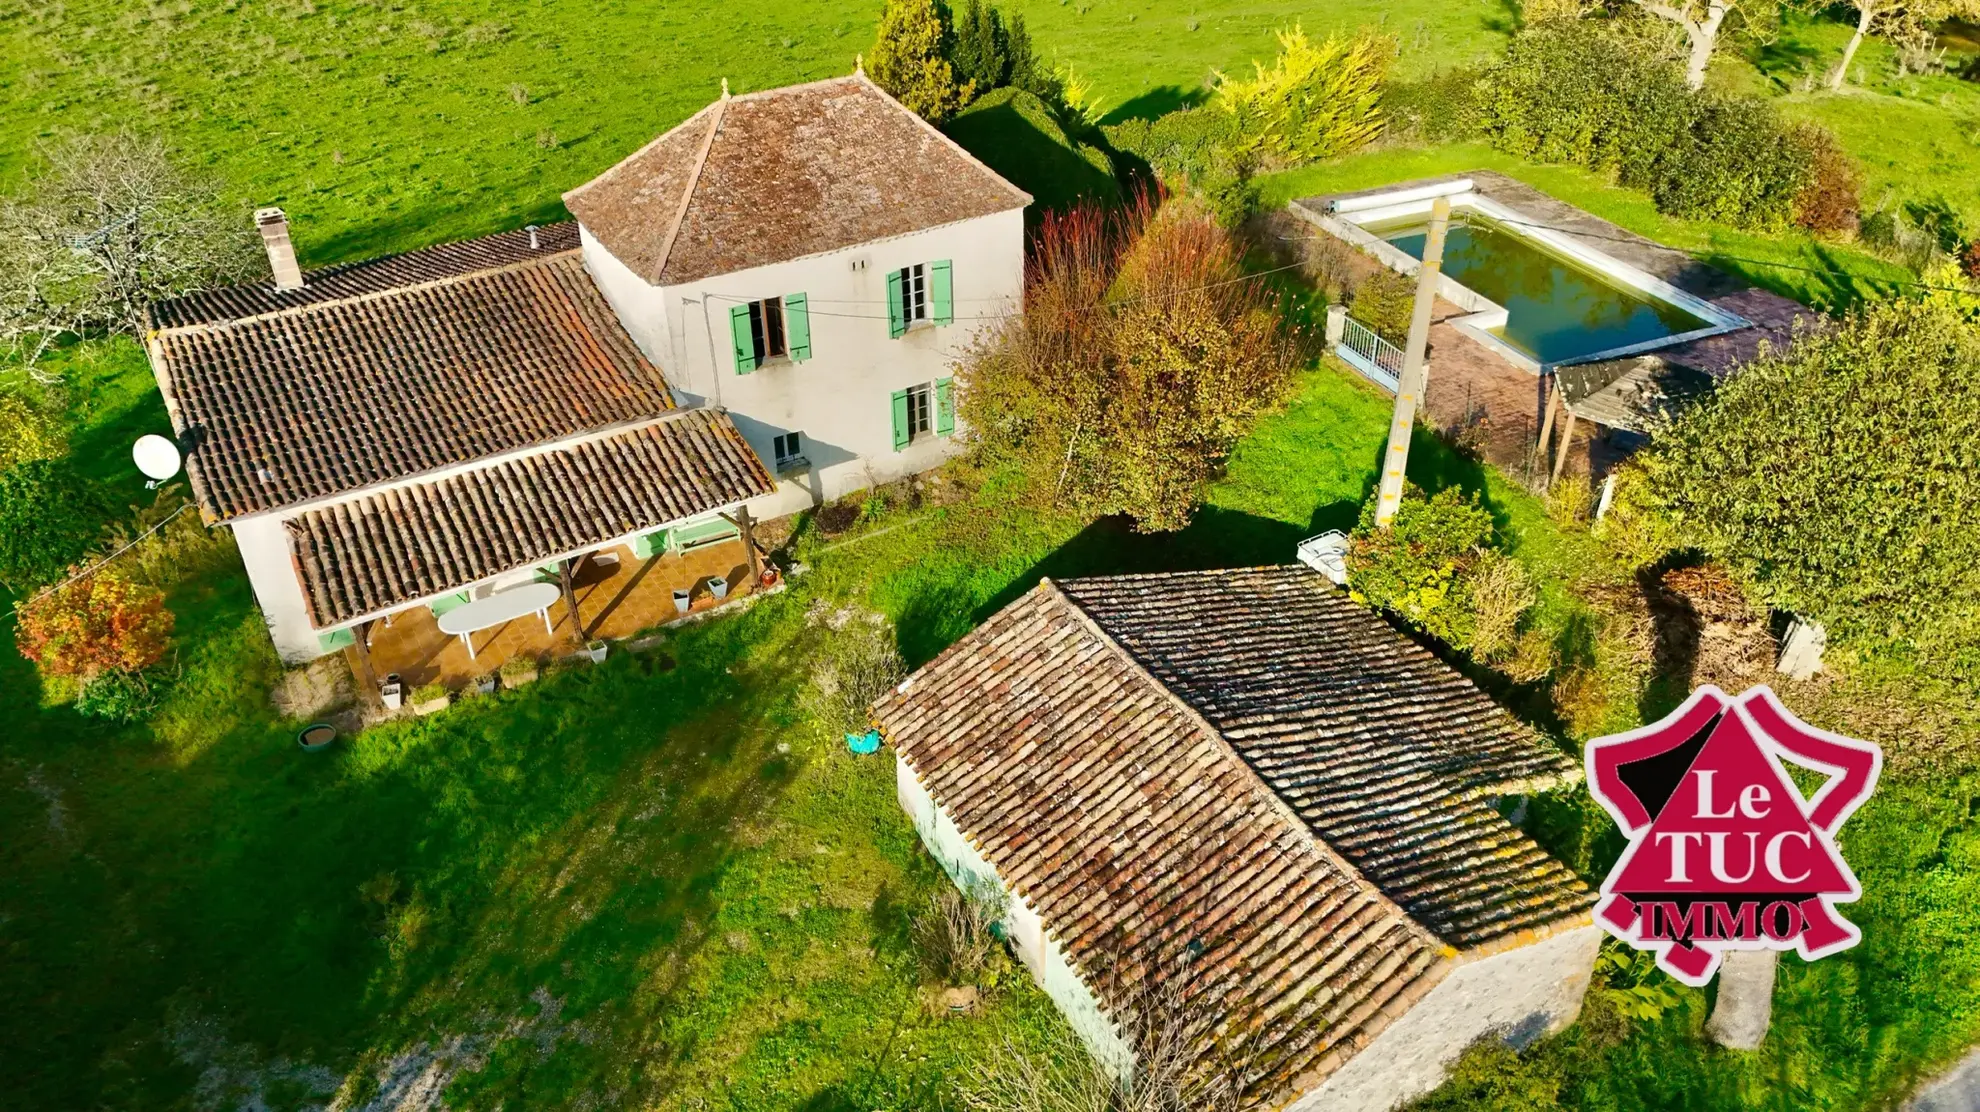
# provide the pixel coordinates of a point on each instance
(1343, 217)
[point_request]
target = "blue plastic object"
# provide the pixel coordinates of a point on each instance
(868, 742)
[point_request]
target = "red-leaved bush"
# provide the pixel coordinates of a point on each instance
(97, 623)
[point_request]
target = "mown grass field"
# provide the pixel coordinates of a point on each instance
(388, 124)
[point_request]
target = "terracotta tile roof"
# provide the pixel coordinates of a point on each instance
(1137, 834)
(334, 283)
(1247, 762)
(781, 174)
(1391, 756)
(327, 398)
(406, 543)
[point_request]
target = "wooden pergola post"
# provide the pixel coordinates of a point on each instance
(566, 571)
(1547, 422)
(367, 676)
(1567, 444)
(747, 525)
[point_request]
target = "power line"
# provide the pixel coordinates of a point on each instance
(98, 566)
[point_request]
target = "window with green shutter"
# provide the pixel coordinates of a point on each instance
(896, 307)
(945, 406)
(900, 419)
(743, 337)
(941, 294)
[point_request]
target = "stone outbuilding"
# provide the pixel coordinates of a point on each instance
(1246, 781)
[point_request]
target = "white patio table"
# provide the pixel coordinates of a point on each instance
(502, 606)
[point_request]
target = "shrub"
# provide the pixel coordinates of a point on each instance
(1419, 569)
(97, 623)
(1187, 143)
(27, 432)
(1829, 202)
(48, 516)
(858, 666)
(429, 693)
(954, 933)
(1317, 100)
(1636, 527)
(117, 696)
(1501, 594)
(910, 59)
(1569, 500)
(1583, 92)
(1738, 163)
(1140, 357)
(1434, 109)
(1842, 478)
(1385, 301)
(163, 543)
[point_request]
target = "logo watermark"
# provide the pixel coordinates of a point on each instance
(1725, 853)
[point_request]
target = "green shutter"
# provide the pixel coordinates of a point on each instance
(900, 420)
(797, 327)
(945, 407)
(896, 321)
(744, 341)
(941, 292)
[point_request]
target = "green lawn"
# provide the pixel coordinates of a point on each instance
(662, 881)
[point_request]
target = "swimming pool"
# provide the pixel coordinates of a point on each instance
(1538, 296)
(1557, 310)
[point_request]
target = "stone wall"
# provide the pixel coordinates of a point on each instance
(1519, 995)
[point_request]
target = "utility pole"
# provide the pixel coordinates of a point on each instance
(1415, 372)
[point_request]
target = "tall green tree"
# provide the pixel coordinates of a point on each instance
(982, 52)
(911, 59)
(1843, 476)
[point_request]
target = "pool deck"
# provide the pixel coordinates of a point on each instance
(1480, 400)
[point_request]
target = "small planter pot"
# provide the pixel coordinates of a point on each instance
(513, 680)
(683, 598)
(596, 651)
(484, 685)
(392, 695)
(718, 587)
(316, 736)
(433, 706)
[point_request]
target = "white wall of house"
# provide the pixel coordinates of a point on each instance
(264, 546)
(1517, 995)
(840, 399)
(1036, 948)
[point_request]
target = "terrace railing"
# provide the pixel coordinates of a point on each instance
(1378, 359)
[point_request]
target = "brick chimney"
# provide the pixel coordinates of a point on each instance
(273, 224)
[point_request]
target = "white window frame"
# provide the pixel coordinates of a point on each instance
(788, 448)
(914, 294)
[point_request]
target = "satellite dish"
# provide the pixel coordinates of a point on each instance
(157, 457)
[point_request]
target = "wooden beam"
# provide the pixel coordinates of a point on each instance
(1567, 445)
(743, 522)
(1547, 423)
(367, 676)
(565, 571)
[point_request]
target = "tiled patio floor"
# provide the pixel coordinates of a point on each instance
(616, 601)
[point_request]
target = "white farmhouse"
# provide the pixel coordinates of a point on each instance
(424, 454)
(812, 260)
(1244, 786)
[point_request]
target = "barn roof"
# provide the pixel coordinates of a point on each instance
(1248, 765)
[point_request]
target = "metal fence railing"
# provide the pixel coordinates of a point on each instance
(1370, 354)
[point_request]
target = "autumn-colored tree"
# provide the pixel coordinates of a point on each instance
(1142, 355)
(911, 59)
(97, 623)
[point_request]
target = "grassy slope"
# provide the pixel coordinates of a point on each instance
(382, 126)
